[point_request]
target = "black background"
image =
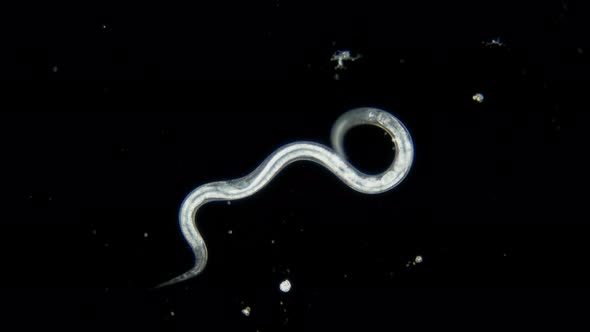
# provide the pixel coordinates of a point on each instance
(114, 125)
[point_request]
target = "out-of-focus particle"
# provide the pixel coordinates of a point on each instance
(285, 286)
(478, 97)
(341, 56)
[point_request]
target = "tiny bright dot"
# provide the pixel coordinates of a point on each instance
(145, 234)
(418, 259)
(285, 286)
(246, 311)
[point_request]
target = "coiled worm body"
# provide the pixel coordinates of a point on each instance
(333, 160)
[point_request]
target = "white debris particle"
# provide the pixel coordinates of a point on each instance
(145, 234)
(418, 259)
(54, 69)
(230, 232)
(341, 56)
(94, 232)
(228, 202)
(272, 241)
(478, 97)
(495, 42)
(246, 311)
(172, 313)
(285, 286)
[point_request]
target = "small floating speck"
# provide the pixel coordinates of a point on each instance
(230, 232)
(54, 69)
(94, 232)
(418, 259)
(246, 311)
(145, 234)
(285, 286)
(172, 313)
(228, 202)
(478, 97)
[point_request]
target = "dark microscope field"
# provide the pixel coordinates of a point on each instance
(112, 112)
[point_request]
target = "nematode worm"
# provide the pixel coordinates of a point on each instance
(333, 160)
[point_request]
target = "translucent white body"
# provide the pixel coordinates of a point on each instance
(333, 160)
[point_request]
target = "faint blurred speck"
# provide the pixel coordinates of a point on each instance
(494, 42)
